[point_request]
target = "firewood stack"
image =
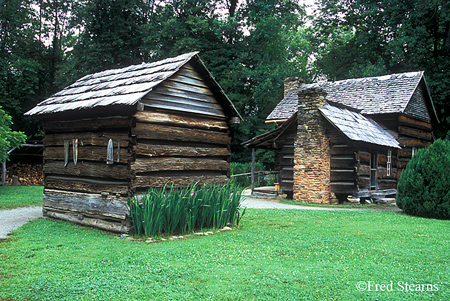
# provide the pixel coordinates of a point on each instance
(27, 174)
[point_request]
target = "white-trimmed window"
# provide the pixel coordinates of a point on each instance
(414, 151)
(389, 163)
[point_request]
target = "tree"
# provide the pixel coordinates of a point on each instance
(369, 38)
(19, 65)
(8, 137)
(250, 48)
(110, 35)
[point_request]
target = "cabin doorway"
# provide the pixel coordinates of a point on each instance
(373, 170)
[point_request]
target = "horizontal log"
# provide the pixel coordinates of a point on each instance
(152, 131)
(89, 221)
(412, 142)
(342, 163)
(337, 139)
(86, 185)
(341, 175)
(159, 163)
(181, 121)
(186, 151)
(363, 157)
(341, 150)
(88, 138)
(401, 164)
(415, 133)
(364, 170)
(382, 159)
(363, 182)
(387, 184)
(411, 122)
(343, 187)
(382, 173)
(405, 153)
(86, 203)
(87, 153)
(88, 169)
(153, 181)
(286, 161)
(87, 124)
(286, 174)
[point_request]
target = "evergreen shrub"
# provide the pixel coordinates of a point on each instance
(177, 210)
(424, 186)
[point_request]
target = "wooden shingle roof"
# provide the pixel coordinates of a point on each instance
(118, 87)
(357, 127)
(371, 95)
(353, 125)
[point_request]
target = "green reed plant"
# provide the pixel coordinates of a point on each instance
(173, 210)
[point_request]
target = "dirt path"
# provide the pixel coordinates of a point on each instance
(273, 203)
(14, 218)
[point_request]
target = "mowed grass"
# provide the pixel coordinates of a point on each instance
(275, 255)
(20, 196)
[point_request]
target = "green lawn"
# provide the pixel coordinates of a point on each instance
(20, 196)
(276, 255)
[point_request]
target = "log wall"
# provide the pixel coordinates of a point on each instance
(182, 135)
(87, 190)
(284, 158)
(365, 171)
(413, 133)
(342, 167)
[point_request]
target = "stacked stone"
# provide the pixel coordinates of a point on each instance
(312, 150)
(292, 83)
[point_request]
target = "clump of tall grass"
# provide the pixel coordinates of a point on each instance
(174, 210)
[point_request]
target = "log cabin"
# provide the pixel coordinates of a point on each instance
(118, 132)
(348, 138)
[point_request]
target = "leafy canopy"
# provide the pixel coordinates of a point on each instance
(8, 137)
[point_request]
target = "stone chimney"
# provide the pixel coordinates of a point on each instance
(312, 159)
(292, 83)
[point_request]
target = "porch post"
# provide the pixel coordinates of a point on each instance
(253, 170)
(4, 172)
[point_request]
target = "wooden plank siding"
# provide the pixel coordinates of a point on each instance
(182, 135)
(184, 92)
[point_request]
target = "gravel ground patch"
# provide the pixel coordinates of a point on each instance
(14, 218)
(273, 203)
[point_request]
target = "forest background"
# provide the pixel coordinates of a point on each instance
(250, 46)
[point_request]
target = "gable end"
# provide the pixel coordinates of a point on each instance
(417, 106)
